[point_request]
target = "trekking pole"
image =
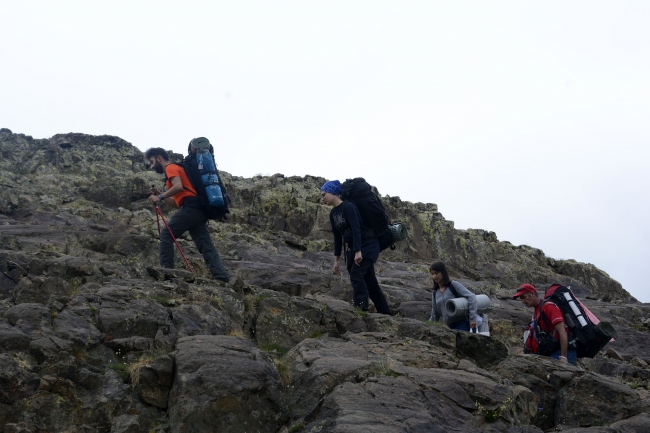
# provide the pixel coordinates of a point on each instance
(160, 215)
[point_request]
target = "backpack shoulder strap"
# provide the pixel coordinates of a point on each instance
(184, 187)
(543, 316)
(453, 290)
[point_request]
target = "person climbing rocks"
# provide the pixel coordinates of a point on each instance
(548, 321)
(189, 217)
(362, 249)
(445, 289)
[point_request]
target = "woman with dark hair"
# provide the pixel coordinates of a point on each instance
(441, 294)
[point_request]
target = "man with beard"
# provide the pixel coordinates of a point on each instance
(189, 217)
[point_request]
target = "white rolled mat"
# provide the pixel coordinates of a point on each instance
(458, 307)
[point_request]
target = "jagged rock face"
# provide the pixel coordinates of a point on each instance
(94, 337)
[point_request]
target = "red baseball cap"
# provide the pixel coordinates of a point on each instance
(524, 288)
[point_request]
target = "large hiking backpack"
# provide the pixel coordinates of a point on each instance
(201, 170)
(586, 337)
(372, 212)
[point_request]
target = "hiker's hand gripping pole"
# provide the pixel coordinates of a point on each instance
(159, 216)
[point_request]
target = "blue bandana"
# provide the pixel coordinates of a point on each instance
(333, 187)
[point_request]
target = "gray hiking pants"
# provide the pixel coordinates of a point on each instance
(193, 220)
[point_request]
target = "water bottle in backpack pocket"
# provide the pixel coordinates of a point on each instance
(213, 190)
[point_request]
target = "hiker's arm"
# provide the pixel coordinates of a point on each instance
(564, 341)
(353, 220)
(336, 265)
(435, 314)
(177, 186)
(338, 243)
(337, 247)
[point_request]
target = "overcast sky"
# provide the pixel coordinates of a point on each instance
(526, 118)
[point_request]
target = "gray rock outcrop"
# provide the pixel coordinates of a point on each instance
(95, 337)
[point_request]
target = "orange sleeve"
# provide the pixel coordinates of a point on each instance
(173, 170)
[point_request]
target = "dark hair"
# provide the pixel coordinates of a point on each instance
(440, 267)
(156, 151)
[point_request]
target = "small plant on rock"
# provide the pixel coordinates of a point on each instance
(273, 347)
(386, 365)
(284, 371)
(165, 301)
(252, 302)
(296, 427)
(434, 323)
(120, 369)
(492, 415)
(236, 333)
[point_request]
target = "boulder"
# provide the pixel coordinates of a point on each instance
(40, 289)
(636, 424)
(437, 335)
(482, 350)
(283, 322)
(156, 381)
(32, 319)
(593, 398)
(239, 393)
(319, 365)
(12, 338)
(75, 324)
(16, 380)
(423, 400)
(543, 376)
(48, 347)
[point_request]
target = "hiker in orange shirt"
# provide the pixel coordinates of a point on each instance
(189, 217)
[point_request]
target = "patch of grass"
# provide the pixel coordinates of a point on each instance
(386, 366)
(92, 309)
(434, 323)
(272, 347)
(599, 423)
(252, 302)
(296, 427)
(165, 301)
(79, 352)
(237, 333)
(492, 415)
(316, 334)
(284, 371)
(120, 369)
(361, 313)
(134, 368)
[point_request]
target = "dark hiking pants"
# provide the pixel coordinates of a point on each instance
(193, 220)
(365, 284)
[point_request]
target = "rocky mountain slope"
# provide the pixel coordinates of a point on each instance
(95, 337)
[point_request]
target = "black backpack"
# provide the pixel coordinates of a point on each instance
(372, 211)
(191, 168)
(587, 339)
